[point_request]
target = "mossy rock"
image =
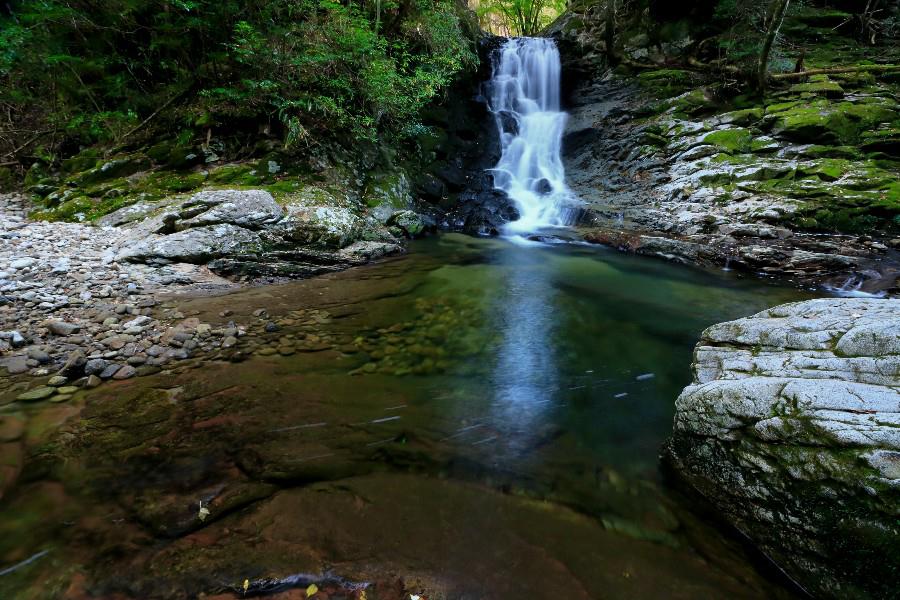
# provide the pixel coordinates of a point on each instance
(113, 169)
(83, 161)
(817, 151)
(168, 181)
(827, 122)
(665, 82)
(242, 174)
(828, 89)
(824, 170)
(742, 117)
(174, 155)
(734, 141)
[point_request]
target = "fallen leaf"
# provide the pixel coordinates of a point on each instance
(311, 590)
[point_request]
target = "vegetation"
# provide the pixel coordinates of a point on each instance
(75, 73)
(518, 17)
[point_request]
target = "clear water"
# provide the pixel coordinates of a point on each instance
(524, 96)
(476, 419)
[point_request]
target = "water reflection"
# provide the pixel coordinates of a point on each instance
(525, 378)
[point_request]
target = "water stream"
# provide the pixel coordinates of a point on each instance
(524, 96)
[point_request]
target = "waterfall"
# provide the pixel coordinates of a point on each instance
(523, 95)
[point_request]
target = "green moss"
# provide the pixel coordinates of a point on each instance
(734, 141)
(238, 174)
(828, 89)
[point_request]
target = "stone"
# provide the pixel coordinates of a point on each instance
(15, 365)
(125, 372)
(196, 245)
(92, 381)
(791, 430)
(33, 395)
(39, 355)
(57, 381)
(109, 371)
(74, 365)
(95, 366)
(251, 209)
(15, 338)
(62, 328)
(320, 227)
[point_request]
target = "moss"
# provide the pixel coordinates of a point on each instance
(735, 140)
(828, 89)
(82, 161)
(112, 169)
(238, 174)
(824, 170)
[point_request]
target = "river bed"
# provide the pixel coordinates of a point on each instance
(476, 419)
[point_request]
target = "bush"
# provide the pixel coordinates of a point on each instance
(85, 72)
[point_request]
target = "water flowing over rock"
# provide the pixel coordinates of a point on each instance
(525, 100)
(792, 430)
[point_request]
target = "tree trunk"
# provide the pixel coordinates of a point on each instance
(777, 16)
(610, 32)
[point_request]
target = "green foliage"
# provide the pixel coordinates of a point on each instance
(518, 17)
(86, 73)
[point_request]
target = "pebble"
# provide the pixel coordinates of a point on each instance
(57, 381)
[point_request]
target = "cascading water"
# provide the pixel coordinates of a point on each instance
(524, 93)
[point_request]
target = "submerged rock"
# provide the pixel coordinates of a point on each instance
(791, 430)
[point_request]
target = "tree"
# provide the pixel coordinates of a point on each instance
(519, 17)
(774, 18)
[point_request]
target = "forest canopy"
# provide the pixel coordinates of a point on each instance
(79, 72)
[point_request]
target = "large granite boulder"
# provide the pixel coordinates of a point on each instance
(195, 245)
(791, 430)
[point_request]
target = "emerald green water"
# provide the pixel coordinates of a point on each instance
(477, 419)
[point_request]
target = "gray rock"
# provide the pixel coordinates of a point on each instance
(792, 430)
(109, 371)
(319, 226)
(125, 372)
(196, 245)
(62, 327)
(251, 209)
(95, 366)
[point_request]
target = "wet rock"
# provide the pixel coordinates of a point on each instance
(790, 429)
(36, 394)
(95, 366)
(125, 372)
(74, 365)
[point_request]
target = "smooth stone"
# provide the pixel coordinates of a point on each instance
(125, 372)
(92, 381)
(62, 327)
(57, 380)
(61, 398)
(36, 394)
(67, 389)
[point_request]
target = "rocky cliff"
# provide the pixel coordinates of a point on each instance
(791, 430)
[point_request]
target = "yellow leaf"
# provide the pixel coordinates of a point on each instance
(311, 590)
(246, 585)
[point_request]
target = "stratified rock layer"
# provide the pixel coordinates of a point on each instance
(792, 430)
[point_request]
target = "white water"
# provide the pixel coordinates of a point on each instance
(524, 96)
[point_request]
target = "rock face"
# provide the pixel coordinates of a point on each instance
(791, 430)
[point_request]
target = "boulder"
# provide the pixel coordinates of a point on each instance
(791, 429)
(196, 245)
(251, 209)
(319, 226)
